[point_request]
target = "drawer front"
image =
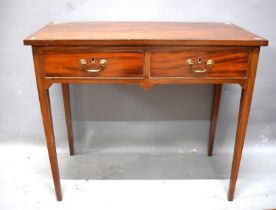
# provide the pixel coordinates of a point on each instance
(232, 63)
(89, 63)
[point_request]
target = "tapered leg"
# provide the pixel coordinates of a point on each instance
(214, 117)
(240, 136)
(245, 103)
(50, 138)
(45, 106)
(67, 109)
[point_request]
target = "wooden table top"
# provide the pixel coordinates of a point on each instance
(144, 33)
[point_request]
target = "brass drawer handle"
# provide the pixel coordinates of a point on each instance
(210, 63)
(102, 65)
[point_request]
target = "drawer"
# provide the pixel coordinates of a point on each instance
(200, 62)
(93, 63)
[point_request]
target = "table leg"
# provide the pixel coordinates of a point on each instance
(214, 117)
(45, 106)
(245, 103)
(67, 110)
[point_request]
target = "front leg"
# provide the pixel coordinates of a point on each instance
(50, 138)
(245, 103)
(45, 106)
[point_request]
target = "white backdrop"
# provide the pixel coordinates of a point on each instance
(118, 118)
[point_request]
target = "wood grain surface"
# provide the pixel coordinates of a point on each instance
(232, 62)
(67, 63)
(144, 33)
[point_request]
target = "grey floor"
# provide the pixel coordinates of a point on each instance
(117, 162)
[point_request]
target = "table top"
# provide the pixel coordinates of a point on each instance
(144, 33)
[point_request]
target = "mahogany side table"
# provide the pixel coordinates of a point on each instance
(147, 54)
